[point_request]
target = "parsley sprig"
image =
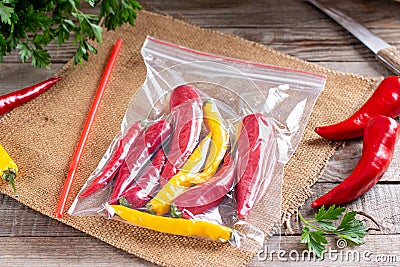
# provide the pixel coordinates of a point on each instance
(349, 228)
(28, 26)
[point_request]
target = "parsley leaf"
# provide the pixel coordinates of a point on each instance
(5, 13)
(349, 228)
(314, 241)
(30, 25)
(325, 217)
(352, 229)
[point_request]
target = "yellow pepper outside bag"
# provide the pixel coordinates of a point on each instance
(8, 169)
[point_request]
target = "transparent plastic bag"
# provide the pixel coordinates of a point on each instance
(202, 142)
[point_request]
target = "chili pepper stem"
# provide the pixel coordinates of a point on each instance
(124, 202)
(176, 212)
(9, 175)
(150, 210)
(309, 224)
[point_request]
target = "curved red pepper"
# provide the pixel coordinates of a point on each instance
(19, 97)
(380, 138)
(256, 146)
(139, 155)
(187, 117)
(202, 197)
(136, 196)
(116, 160)
(384, 101)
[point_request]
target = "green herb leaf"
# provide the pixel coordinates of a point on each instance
(314, 241)
(325, 217)
(352, 229)
(40, 58)
(5, 13)
(349, 228)
(30, 25)
(24, 51)
(332, 213)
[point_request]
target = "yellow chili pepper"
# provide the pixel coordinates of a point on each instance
(8, 169)
(176, 226)
(178, 184)
(220, 139)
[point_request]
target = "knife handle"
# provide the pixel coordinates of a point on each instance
(390, 58)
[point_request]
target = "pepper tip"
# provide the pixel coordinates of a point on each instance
(315, 204)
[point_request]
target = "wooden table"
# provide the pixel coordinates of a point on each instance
(293, 27)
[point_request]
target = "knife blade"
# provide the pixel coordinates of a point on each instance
(384, 52)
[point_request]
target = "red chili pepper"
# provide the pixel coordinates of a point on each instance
(256, 147)
(139, 155)
(19, 97)
(136, 196)
(384, 101)
(380, 138)
(187, 117)
(116, 160)
(202, 197)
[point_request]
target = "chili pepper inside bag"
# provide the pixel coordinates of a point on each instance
(138, 156)
(216, 173)
(186, 116)
(256, 151)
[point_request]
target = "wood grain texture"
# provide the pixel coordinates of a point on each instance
(63, 251)
(343, 162)
(292, 27)
(375, 252)
(383, 217)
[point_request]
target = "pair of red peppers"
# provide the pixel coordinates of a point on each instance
(132, 152)
(380, 133)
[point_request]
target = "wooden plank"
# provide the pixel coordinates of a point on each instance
(58, 54)
(315, 44)
(298, 35)
(278, 14)
(64, 251)
(346, 158)
(342, 47)
(378, 250)
(367, 69)
(376, 204)
(19, 220)
(14, 76)
(81, 251)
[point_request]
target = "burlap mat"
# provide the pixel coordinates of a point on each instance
(41, 136)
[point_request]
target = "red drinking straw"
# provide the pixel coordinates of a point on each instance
(85, 132)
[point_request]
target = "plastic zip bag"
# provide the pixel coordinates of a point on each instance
(202, 142)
